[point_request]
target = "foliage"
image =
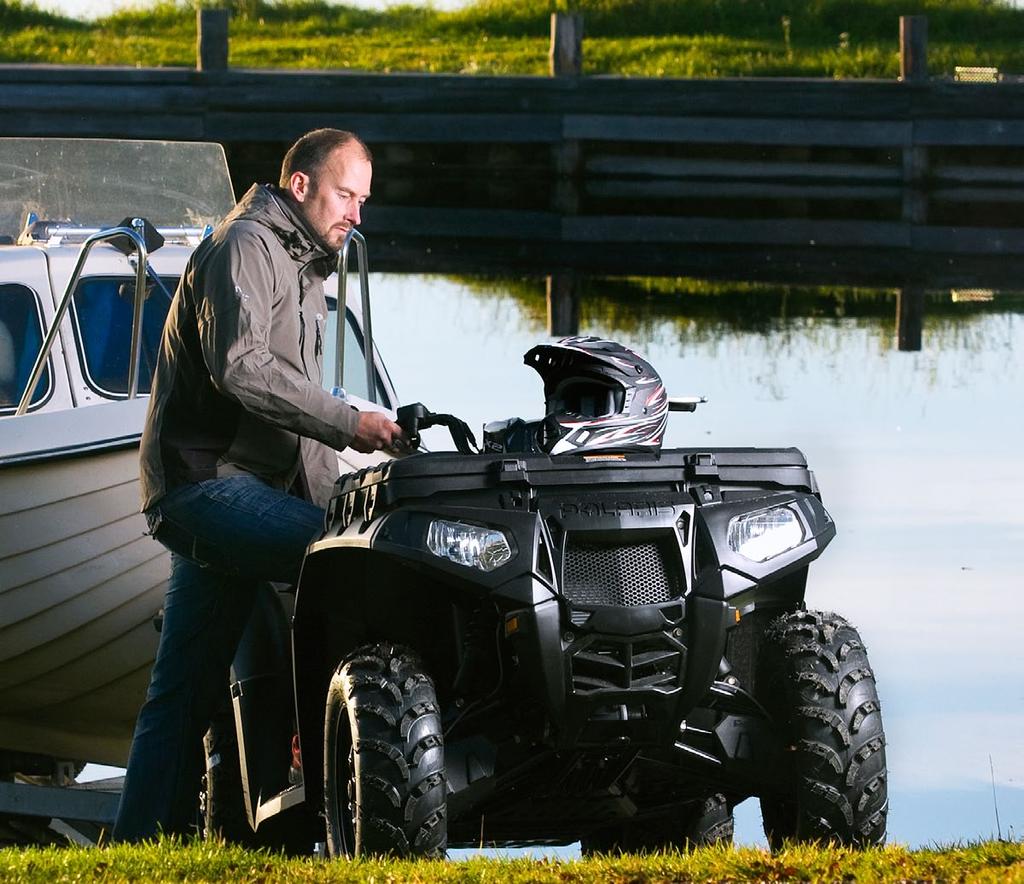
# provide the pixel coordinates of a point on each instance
(206, 861)
(17, 14)
(811, 20)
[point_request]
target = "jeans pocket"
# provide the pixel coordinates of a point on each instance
(181, 541)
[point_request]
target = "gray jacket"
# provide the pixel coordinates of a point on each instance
(237, 384)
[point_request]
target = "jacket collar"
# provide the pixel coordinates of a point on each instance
(266, 205)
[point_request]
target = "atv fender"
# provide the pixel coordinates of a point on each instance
(262, 701)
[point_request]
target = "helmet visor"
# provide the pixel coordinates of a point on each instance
(586, 398)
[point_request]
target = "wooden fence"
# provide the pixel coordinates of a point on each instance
(916, 165)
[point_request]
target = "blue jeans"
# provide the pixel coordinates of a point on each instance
(226, 536)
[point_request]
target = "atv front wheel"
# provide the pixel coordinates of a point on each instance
(384, 780)
(816, 681)
(709, 822)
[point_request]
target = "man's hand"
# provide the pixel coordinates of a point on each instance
(377, 431)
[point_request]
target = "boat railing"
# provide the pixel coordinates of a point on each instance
(135, 235)
(56, 233)
(364, 292)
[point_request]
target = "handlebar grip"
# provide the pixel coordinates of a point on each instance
(409, 418)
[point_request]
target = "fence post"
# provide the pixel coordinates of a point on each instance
(914, 69)
(915, 183)
(563, 293)
(909, 318)
(566, 54)
(211, 39)
(913, 48)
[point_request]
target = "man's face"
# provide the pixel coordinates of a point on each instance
(330, 203)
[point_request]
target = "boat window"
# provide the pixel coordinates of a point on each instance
(102, 312)
(355, 365)
(21, 336)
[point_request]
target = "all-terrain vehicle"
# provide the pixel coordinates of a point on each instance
(572, 635)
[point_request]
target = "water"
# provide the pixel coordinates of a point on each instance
(917, 456)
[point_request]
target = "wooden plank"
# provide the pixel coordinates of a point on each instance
(506, 224)
(978, 194)
(104, 98)
(970, 133)
(669, 167)
(172, 127)
(978, 174)
(314, 91)
(938, 99)
(711, 190)
(969, 240)
(764, 97)
(318, 90)
(709, 130)
(69, 73)
(808, 265)
(771, 231)
(406, 128)
(603, 235)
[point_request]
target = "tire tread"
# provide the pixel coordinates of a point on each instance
(819, 683)
(395, 787)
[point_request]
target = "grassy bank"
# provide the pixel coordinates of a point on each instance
(993, 861)
(696, 38)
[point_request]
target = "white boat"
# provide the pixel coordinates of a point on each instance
(81, 584)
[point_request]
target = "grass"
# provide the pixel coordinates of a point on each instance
(696, 38)
(204, 861)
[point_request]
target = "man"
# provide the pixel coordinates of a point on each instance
(237, 454)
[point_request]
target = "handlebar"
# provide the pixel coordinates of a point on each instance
(415, 417)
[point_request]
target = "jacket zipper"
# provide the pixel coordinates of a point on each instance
(302, 343)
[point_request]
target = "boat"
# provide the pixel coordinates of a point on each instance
(83, 296)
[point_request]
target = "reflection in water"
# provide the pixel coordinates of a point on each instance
(917, 455)
(701, 310)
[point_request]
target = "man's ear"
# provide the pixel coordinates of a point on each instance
(298, 184)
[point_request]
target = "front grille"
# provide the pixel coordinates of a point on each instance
(621, 574)
(652, 663)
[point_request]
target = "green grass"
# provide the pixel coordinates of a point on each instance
(695, 38)
(167, 861)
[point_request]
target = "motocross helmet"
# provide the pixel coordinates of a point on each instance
(598, 395)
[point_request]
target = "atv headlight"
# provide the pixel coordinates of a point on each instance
(471, 545)
(764, 534)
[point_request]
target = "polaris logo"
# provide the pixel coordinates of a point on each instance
(596, 510)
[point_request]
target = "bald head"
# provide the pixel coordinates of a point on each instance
(310, 153)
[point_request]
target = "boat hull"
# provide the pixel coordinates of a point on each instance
(82, 583)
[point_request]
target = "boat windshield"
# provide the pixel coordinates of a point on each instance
(98, 182)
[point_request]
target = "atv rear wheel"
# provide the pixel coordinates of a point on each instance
(816, 682)
(384, 780)
(709, 822)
